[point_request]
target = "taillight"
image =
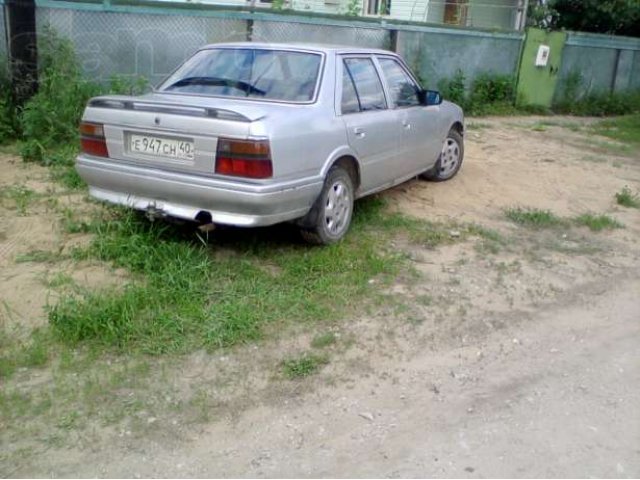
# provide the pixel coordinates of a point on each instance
(92, 139)
(244, 158)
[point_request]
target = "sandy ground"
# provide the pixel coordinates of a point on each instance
(520, 363)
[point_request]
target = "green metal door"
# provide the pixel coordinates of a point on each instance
(537, 83)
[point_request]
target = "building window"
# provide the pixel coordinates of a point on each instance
(378, 7)
(455, 12)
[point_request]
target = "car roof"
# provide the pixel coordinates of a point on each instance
(313, 47)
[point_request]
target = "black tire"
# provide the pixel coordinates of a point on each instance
(326, 223)
(449, 160)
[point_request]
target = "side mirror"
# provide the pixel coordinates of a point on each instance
(430, 97)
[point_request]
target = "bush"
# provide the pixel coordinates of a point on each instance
(488, 93)
(9, 126)
(453, 89)
(49, 120)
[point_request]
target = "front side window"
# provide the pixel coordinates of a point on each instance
(404, 92)
(246, 72)
(367, 83)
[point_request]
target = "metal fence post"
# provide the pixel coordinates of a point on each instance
(22, 48)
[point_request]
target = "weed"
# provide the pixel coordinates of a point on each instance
(627, 198)
(21, 196)
(303, 365)
(476, 125)
(39, 256)
(425, 300)
(623, 129)
(17, 354)
(576, 99)
(49, 120)
(60, 279)
(9, 125)
(487, 94)
(324, 340)
(597, 223)
(454, 89)
(533, 217)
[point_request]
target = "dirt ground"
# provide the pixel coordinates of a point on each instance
(520, 362)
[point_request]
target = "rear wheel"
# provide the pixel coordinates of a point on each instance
(450, 159)
(330, 217)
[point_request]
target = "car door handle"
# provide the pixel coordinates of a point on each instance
(406, 124)
(359, 131)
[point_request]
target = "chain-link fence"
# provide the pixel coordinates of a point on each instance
(151, 46)
(437, 54)
(267, 31)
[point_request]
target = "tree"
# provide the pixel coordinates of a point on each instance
(621, 17)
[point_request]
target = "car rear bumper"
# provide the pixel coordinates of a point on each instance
(185, 196)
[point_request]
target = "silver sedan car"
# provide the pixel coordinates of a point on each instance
(251, 134)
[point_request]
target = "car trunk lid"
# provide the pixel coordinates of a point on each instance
(169, 131)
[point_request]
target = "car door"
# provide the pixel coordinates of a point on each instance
(421, 143)
(373, 130)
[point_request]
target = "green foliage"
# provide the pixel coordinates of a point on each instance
(49, 120)
(627, 198)
(19, 195)
(51, 117)
(184, 296)
(623, 129)
(324, 340)
(597, 223)
(16, 354)
(9, 125)
(576, 99)
(278, 4)
(620, 17)
(303, 366)
(354, 8)
(488, 93)
(454, 89)
(533, 217)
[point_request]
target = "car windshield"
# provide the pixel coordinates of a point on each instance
(246, 72)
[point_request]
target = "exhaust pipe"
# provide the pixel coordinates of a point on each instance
(204, 219)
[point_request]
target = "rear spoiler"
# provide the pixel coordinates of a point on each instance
(128, 103)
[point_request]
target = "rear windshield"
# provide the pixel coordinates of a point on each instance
(246, 72)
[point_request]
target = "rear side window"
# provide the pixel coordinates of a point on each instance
(350, 103)
(404, 92)
(367, 83)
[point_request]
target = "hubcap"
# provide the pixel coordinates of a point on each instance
(337, 209)
(449, 158)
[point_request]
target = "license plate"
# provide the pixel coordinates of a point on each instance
(163, 147)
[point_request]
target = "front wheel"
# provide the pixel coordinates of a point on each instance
(330, 216)
(450, 159)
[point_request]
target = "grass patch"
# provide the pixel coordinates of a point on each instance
(187, 294)
(597, 223)
(39, 256)
(627, 198)
(533, 217)
(16, 354)
(324, 340)
(623, 129)
(303, 366)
